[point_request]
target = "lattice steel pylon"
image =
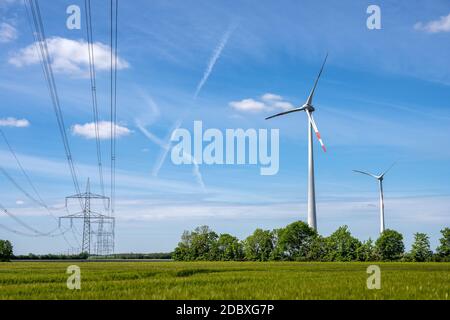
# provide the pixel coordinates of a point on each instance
(104, 243)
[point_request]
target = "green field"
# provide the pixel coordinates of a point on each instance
(223, 280)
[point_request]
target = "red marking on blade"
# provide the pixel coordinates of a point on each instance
(318, 135)
(324, 149)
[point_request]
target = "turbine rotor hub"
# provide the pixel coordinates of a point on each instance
(309, 107)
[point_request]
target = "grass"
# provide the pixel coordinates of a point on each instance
(223, 280)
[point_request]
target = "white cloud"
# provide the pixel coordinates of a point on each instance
(13, 122)
(20, 202)
(104, 129)
(435, 26)
(269, 102)
(7, 32)
(268, 97)
(249, 105)
(68, 56)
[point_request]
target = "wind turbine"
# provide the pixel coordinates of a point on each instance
(309, 109)
(380, 179)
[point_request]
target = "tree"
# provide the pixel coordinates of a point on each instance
(277, 253)
(201, 244)
(420, 251)
(6, 250)
(229, 248)
(318, 250)
(342, 246)
(204, 244)
(366, 252)
(389, 246)
(443, 251)
(183, 252)
(295, 240)
(259, 246)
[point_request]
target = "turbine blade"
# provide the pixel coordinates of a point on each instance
(389, 168)
(316, 130)
(311, 95)
(286, 112)
(366, 173)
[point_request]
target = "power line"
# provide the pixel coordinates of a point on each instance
(114, 8)
(87, 4)
(113, 35)
(41, 44)
(20, 233)
(40, 202)
(19, 164)
(14, 182)
(28, 227)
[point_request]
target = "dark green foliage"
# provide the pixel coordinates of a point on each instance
(43, 257)
(259, 246)
(85, 256)
(201, 244)
(421, 251)
(318, 250)
(342, 246)
(141, 256)
(389, 246)
(204, 244)
(6, 250)
(229, 248)
(298, 242)
(443, 251)
(366, 251)
(184, 252)
(294, 242)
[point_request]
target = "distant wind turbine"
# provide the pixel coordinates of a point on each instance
(380, 179)
(309, 109)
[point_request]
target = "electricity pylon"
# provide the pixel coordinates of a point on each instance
(104, 241)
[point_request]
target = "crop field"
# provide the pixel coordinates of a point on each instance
(223, 280)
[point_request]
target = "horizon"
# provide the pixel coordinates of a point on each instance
(381, 99)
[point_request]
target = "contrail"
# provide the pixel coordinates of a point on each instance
(216, 55)
(150, 135)
(166, 148)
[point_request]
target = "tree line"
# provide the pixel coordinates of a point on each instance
(6, 254)
(299, 242)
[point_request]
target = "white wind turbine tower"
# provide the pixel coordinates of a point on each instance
(309, 109)
(380, 179)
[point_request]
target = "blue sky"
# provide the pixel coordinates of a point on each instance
(384, 96)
